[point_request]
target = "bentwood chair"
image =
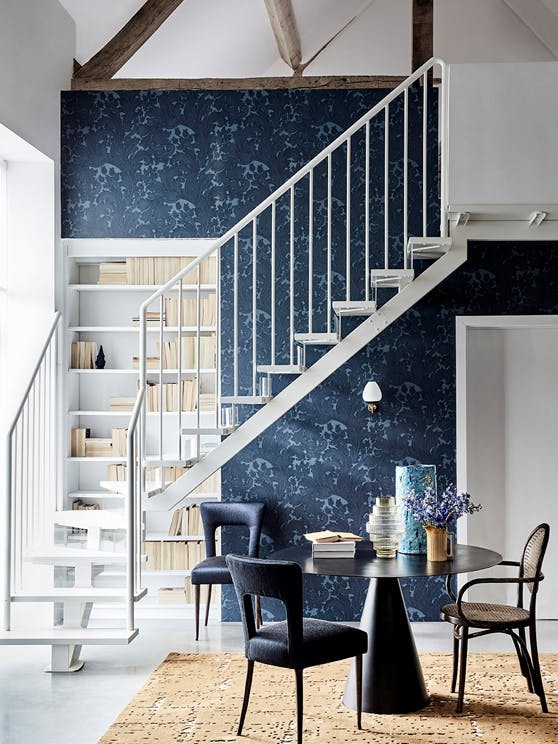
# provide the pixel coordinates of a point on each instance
(496, 618)
(296, 643)
(213, 570)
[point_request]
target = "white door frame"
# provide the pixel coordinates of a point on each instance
(462, 324)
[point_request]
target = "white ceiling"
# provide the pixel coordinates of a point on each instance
(221, 38)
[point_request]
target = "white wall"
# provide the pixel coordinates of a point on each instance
(37, 41)
(512, 441)
(503, 124)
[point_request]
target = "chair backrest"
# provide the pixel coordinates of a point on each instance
(532, 560)
(223, 513)
(280, 580)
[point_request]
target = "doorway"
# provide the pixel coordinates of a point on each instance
(507, 438)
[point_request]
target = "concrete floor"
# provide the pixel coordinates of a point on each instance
(78, 708)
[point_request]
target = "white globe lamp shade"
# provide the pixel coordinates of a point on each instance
(371, 392)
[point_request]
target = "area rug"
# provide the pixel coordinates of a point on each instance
(197, 698)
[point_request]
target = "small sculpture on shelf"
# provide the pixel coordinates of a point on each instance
(100, 360)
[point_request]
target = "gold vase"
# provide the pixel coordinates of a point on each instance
(437, 539)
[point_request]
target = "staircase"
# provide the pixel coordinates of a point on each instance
(305, 281)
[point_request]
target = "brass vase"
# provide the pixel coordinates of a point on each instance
(439, 543)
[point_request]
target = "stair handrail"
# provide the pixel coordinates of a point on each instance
(9, 517)
(133, 511)
(320, 157)
(308, 168)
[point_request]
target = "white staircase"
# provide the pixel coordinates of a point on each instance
(318, 281)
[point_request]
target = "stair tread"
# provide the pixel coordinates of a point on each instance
(103, 518)
(317, 339)
(61, 636)
(281, 369)
(95, 593)
(354, 307)
(121, 487)
(245, 400)
(70, 556)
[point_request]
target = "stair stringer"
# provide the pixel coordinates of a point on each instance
(309, 380)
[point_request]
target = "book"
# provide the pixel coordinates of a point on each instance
(123, 403)
(98, 447)
(83, 355)
(328, 536)
(342, 546)
(119, 442)
(113, 272)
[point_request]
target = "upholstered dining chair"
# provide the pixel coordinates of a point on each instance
(497, 618)
(213, 569)
(297, 642)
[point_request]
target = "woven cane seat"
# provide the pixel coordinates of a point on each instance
(486, 615)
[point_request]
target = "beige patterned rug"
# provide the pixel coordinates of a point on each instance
(197, 698)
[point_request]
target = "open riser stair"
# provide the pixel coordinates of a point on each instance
(303, 282)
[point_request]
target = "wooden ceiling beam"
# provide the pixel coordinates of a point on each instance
(260, 83)
(423, 32)
(281, 17)
(114, 55)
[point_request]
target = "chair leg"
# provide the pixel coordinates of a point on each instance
(259, 622)
(520, 650)
(358, 677)
(208, 603)
(462, 668)
(455, 660)
(299, 707)
(247, 688)
(197, 608)
(537, 678)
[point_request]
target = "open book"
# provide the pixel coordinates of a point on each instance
(327, 536)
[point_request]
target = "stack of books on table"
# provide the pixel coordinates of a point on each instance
(328, 544)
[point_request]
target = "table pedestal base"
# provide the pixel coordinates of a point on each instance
(392, 680)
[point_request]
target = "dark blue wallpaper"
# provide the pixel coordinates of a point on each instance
(191, 163)
(323, 463)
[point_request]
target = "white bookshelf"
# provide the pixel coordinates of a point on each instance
(103, 313)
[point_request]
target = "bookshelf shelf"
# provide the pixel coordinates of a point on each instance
(106, 314)
(136, 329)
(150, 372)
(190, 288)
(161, 537)
(127, 414)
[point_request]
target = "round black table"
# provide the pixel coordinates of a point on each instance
(392, 679)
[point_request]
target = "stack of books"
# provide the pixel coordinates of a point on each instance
(328, 544)
(113, 272)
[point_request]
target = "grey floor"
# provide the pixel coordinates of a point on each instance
(78, 708)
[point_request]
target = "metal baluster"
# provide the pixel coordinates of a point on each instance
(198, 361)
(162, 397)
(179, 370)
(329, 181)
(254, 305)
(424, 166)
(405, 174)
(291, 274)
(348, 223)
(273, 207)
(310, 246)
(235, 327)
(386, 188)
(367, 213)
(217, 378)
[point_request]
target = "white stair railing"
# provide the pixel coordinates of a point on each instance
(254, 243)
(31, 470)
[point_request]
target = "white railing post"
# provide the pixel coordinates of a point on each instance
(310, 247)
(386, 188)
(348, 223)
(444, 143)
(405, 174)
(367, 213)
(424, 154)
(133, 495)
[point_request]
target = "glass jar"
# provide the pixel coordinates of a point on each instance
(385, 526)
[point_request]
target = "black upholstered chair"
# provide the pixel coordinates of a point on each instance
(496, 618)
(296, 643)
(213, 570)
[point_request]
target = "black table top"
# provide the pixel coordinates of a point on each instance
(366, 565)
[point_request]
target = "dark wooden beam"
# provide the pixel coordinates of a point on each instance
(423, 36)
(267, 83)
(281, 17)
(114, 55)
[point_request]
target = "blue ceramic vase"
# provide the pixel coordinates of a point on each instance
(413, 478)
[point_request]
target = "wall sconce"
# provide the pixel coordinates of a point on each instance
(372, 395)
